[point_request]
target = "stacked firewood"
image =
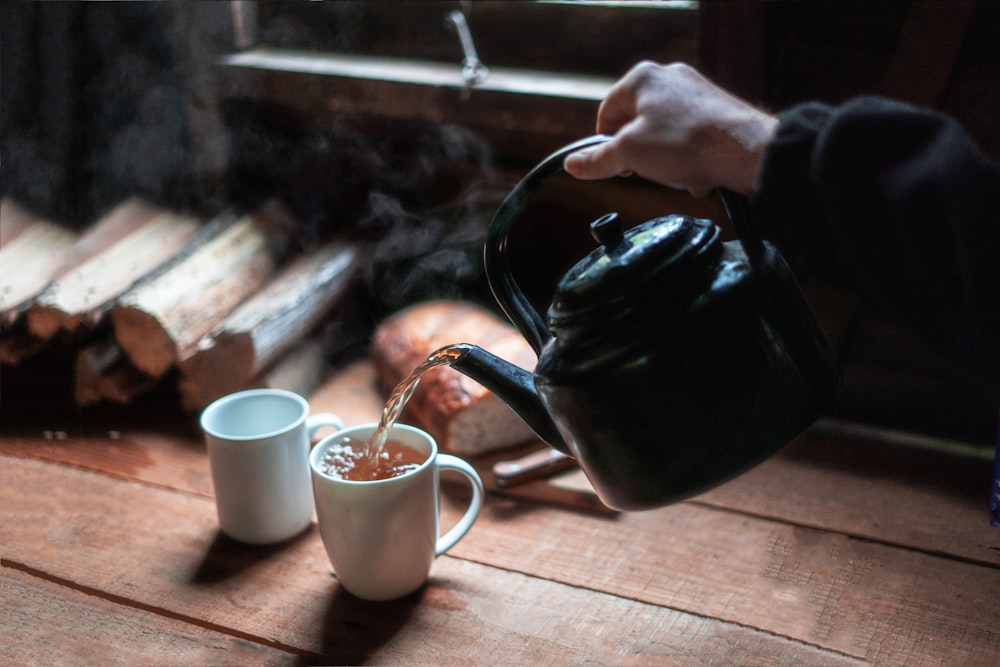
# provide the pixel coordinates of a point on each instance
(151, 296)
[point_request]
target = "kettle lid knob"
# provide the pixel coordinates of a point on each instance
(608, 231)
(662, 254)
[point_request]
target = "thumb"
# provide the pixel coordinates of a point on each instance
(597, 162)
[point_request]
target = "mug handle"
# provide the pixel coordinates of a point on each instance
(319, 420)
(458, 531)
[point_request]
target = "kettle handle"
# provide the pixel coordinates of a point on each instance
(738, 211)
(506, 290)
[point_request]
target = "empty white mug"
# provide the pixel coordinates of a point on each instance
(258, 446)
(382, 536)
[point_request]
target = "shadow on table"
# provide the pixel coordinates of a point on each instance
(965, 478)
(354, 629)
(226, 558)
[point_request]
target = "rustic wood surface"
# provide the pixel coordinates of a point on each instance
(837, 551)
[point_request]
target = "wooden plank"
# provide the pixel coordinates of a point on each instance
(878, 603)
(46, 622)
(856, 597)
(901, 494)
(174, 461)
(151, 548)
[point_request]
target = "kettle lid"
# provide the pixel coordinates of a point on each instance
(661, 253)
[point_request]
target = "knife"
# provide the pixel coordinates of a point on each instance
(535, 465)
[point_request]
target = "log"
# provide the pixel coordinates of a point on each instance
(262, 328)
(15, 219)
(31, 254)
(17, 345)
(128, 243)
(302, 369)
(103, 373)
(168, 313)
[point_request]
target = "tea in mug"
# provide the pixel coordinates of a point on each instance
(350, 460)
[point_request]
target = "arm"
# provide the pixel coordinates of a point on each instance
(899, 205)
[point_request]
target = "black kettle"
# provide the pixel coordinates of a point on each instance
(669, 361)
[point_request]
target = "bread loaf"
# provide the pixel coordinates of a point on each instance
(461, 414)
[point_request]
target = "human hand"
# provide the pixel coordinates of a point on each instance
(673, 126)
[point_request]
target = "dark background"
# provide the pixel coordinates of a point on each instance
(100, 101)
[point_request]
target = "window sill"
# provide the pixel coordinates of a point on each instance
(550, 108)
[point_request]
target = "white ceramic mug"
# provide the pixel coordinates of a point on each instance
(382, 536)
(258, 446)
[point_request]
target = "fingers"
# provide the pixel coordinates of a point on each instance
(615, 111)
(673, 126)
(621, 105)
(594, 163)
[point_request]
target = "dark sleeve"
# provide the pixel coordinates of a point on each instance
(898, 205)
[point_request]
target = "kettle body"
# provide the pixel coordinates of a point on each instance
(690, 398)
(669, 361)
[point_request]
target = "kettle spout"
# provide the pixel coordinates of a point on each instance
(512, 385)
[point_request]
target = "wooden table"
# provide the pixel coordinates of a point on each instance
(838, 551)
